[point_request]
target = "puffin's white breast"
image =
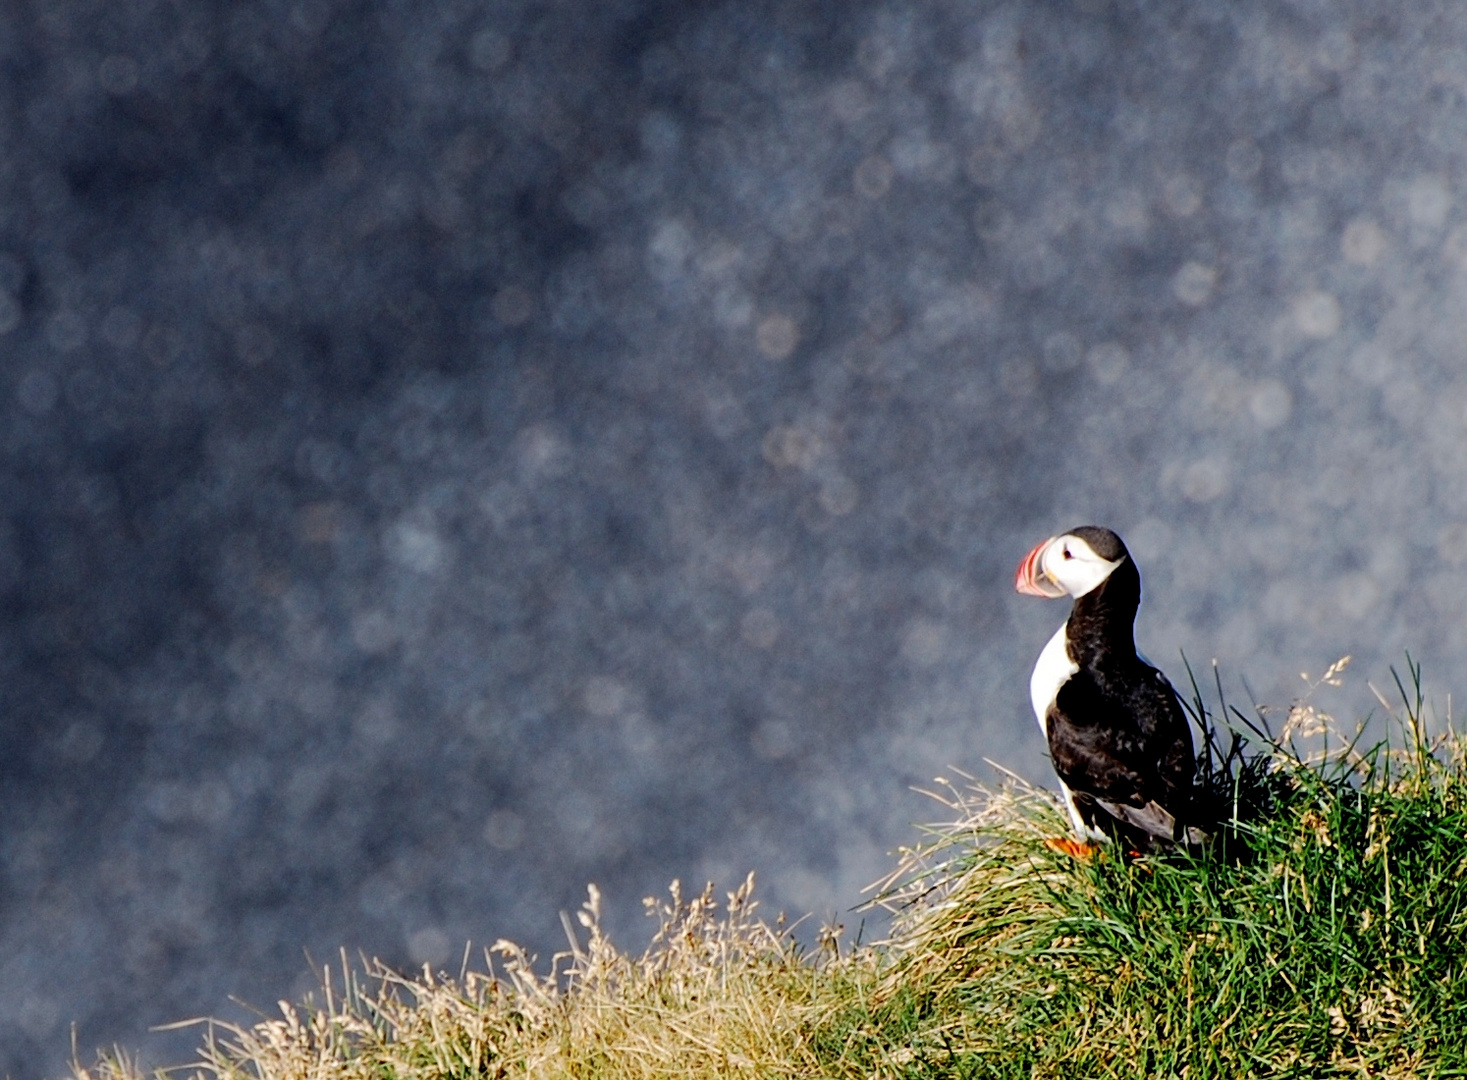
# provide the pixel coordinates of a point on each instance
(1051, 670)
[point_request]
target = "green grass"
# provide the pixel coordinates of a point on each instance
(1323, 935)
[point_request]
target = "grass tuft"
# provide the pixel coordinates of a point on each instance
(718, 992)
(1323, 933)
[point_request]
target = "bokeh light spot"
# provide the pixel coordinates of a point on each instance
(923, 642)
(773, 740)
(1243, 159)
(759, 628)
(873, 177)
(1108, 362)
(1182, 195)
(429, 946)
(792, 447)
(1194, 283)
(10, 313)
(512, 306)
(1317, 314)
(605, 696)
(504, 830)
(67, 331)
(1363, 242)
(1270, 403)
(1206, 480)
(1428, 201)
(373, 632)
(489, 51)
(839, 495)
(37, 392)
(416, 545)
(777, 336)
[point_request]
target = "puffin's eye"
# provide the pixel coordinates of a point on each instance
(1066, 554)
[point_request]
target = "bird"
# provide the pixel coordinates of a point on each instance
(1117, 735)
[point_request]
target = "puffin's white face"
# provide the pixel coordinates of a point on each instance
(1062, 566)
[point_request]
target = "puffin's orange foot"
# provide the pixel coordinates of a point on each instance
(1076, 849)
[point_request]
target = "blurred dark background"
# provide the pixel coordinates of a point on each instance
(452, 452)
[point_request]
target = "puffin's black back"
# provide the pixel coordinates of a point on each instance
(1117, 731)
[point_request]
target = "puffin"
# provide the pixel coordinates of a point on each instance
(1120, 743)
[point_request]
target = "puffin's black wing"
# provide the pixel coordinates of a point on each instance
(1124, 743)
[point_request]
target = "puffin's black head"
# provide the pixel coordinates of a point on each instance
(1071, 564)
(1102, 541)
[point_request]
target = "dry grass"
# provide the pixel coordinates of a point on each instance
(718, 993)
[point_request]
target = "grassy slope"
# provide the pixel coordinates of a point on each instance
(1329, 939)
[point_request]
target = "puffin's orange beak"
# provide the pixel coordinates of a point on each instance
(1032, 580)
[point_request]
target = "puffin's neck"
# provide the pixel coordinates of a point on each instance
(1102, 623)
